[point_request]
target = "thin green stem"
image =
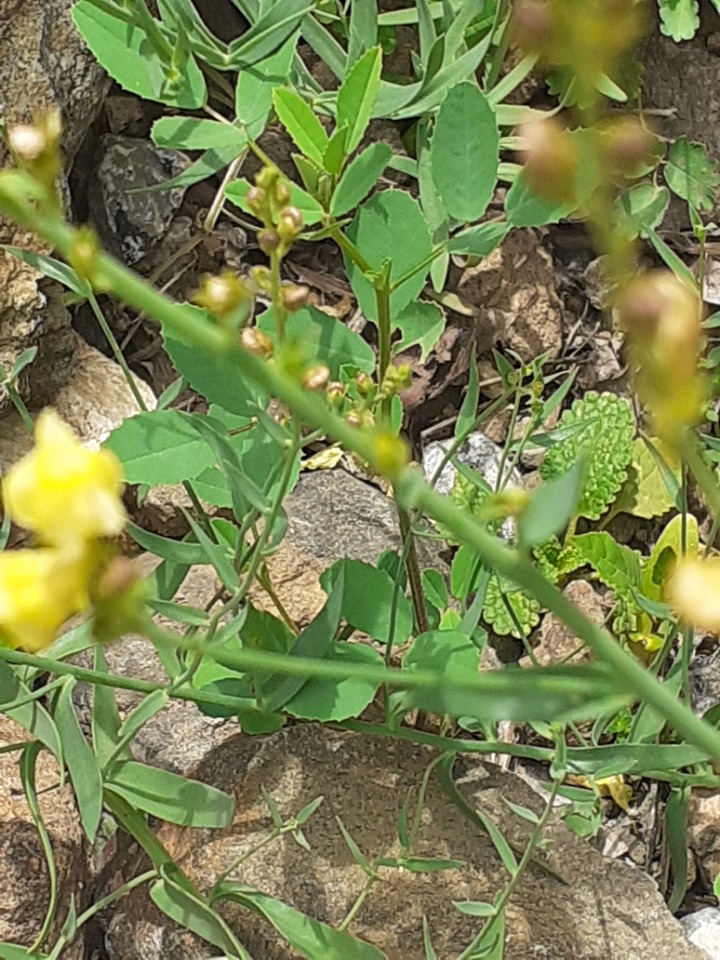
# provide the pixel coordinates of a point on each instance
(116, 351)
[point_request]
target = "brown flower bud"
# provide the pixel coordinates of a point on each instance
(268, 241)
(294, 297)
(256, 341)
(316, 378)
(256, 200)
(290, 223)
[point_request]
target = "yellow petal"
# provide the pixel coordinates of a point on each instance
(62, 491)
(693, 591)
(39, 590)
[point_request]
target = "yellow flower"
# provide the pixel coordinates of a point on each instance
(39, 590)
(62, 491)
(693, 591)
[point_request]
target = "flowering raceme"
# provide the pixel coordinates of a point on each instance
(69, 497)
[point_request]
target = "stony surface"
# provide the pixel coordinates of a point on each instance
(24, 877)
(703, 929)
(131, 223)
(557, 641)
(514, 294)
(572, 904)
(704, 832)
(49, 67)
(94, 401)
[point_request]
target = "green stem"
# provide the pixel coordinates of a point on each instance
(16, 190)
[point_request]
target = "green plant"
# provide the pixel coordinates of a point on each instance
(235, 660)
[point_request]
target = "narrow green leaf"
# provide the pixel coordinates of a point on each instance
(479, 241)
(171, 797)
(301, 123)
(80, 761)
(356, 96)
(31, 716)
(187, 908)
(363, 32)
(465, 152)
(105, 715)
(192, 133)
(312, 939)
(676, 824)
(50, 267)
(337, 150)
(177, 551)
(277, 24)
(467, 414)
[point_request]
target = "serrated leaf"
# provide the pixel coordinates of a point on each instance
(617, 565)
(356, 96)
(605, 441)
(301, 123)
(679, 18)
(692, 174)
(465, 152)
(651, 487)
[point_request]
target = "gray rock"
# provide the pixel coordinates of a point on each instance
(47, 67)
(572, 904)
(478, 452)
(703, 929)
(131, 223)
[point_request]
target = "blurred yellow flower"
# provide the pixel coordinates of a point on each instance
(693, 592)
(62, 491)
(39, 590)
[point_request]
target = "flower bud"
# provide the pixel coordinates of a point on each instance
(359, 418)
(267, 177)
(256, 200)
(222, 294)
(83, 257)
(282, 193)
(37, 147)
(261, 277)
(290, 223)
(364, 384)
(398, 377)
(294, 296)
(551, 164)
(268, 241)
(316, 378)
(335, 392)
(256, 341)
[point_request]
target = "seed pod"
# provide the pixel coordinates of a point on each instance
(268, 241)
(316, 378)
(256, 341)
(294, 296)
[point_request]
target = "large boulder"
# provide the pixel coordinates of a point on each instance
(572, 903)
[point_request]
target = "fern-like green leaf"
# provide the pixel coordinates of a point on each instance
(526, 610)
(605, 441)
